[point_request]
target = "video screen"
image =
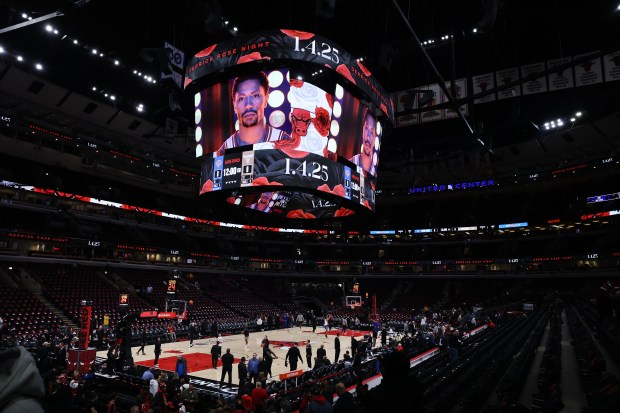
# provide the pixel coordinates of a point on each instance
(263, 108)
(290, 204)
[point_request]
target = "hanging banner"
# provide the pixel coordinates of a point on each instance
(459, 92)
(537, 85)
(410, 119)
(562, 79)
(482, 83)
(406, 100)
(589, 72)
(612, 66)
(431, 115)
(507, 76)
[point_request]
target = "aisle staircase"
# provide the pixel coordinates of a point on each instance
(54, 310)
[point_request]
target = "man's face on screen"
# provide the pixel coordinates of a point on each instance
(368, 135)
(250, 102)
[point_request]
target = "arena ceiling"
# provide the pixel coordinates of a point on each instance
(508, 34)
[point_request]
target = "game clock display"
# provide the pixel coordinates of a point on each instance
(282, 171)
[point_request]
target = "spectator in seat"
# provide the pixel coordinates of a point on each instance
(190, 396)
(345, 402)
(399, 391)
(318, 403)
(259, 396)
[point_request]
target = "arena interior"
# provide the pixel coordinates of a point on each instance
(477, 273)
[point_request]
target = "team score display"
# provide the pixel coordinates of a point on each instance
(310, 169)
(324, 50)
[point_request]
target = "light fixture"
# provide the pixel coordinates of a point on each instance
(578, 114)
(475, 30)
(116, 62)
(100, 54)
(234, 29)
(20, 59)
(1, 49)
(573, 119)
(94, 51)
(112, 97)
(225, 22)
(106, 95)
(75, 41)
(55, 31)
(94, 88)
(24, 16)
(39, 66)
(49, 28)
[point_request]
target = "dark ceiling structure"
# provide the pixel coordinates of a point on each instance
(482, 36)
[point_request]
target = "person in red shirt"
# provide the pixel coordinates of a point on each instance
(259, 395)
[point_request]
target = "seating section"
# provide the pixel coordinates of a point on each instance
(66, 286)
(24, 314)
(601, 387)
(549, 396)
(201, 307)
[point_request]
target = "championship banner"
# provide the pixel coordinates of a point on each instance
(431, 115)
(290, 45)
(505, 77)
(537, 85)
(84, 335)
(561, 79)
(589, 72)
(459, 92)
(482, 83)
(612, 66)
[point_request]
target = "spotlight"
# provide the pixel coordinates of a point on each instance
(20, 59)
(106, 95)
(572, 119)
(234, 29)
(55, 31)
(24, 16)
(94, 88)
(154, 81)
(75, 41)
(39, 66)
(1, 49)
(559, 120)
(112, 97)
(135, 72)
(49, 28)
(475, 30)
(226, 22)
(578, 114)
(100, 54)
(116, 62)
(139, 108)
(94, 51)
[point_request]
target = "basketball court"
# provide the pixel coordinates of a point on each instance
(199, 356)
